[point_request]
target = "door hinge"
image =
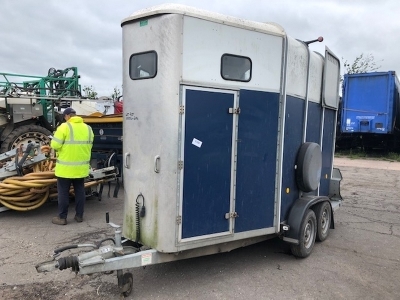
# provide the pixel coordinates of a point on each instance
(232, 215)
(180, 164)
(181, 110)
(178, 220)
(233, 110)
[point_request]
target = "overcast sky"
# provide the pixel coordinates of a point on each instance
(38, 35)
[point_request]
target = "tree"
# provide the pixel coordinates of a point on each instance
(89, 92)
(362, 64)
(116, 93)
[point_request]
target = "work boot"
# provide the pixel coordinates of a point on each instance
(78, 219)
(59, 221)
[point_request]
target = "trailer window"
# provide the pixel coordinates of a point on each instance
(234, 67)
(143, 65)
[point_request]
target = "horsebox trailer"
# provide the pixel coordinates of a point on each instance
(228, 140)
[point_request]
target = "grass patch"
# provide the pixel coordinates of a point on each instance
(393, 156)
(352, 153)
(373, 154)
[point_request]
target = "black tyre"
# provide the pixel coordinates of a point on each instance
(127, 287)
(323, 212)
(308, 231)
(24, 135)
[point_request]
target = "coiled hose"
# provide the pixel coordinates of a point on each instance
(28, 192)
(140, 213)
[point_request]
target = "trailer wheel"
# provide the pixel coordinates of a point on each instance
(308, 231)
(323, 213)
(24, 135)
(127, 287)
(309, 165)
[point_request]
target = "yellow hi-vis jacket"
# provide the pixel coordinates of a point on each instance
(73, 142)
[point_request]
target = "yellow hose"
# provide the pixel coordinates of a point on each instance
(25, 206)
(32, 190)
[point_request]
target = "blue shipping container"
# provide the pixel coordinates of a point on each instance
(370, 103)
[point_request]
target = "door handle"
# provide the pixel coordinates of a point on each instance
(126, 160)
(157, 164)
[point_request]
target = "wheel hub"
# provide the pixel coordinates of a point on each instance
(30, 137)
(308, 234)
(324, 221)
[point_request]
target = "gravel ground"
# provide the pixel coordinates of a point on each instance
(360, 259)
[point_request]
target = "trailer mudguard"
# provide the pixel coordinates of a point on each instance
(297, 213)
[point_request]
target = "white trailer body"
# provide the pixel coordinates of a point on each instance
(215, 112)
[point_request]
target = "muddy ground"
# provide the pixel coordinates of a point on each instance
(360, 259)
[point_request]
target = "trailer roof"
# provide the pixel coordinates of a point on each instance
(270, 27)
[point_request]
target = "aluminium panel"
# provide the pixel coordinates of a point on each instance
(151, 125)
(296, 69)
(205, 42)
(316, 73)
(179, 9)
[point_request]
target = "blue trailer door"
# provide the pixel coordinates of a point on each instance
(256, 160)
(207, 161)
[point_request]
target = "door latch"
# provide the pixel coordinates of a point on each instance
(231, 215)
(234, 111)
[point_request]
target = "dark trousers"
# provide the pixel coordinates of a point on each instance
(63, 186)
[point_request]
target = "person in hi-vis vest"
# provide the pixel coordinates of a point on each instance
(73, 141)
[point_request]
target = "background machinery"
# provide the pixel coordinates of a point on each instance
(30, 111)
(28, 105)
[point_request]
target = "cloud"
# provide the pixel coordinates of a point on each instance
(38, 35)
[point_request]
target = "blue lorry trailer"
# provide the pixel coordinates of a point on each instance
(370, 111)
(229, 129)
